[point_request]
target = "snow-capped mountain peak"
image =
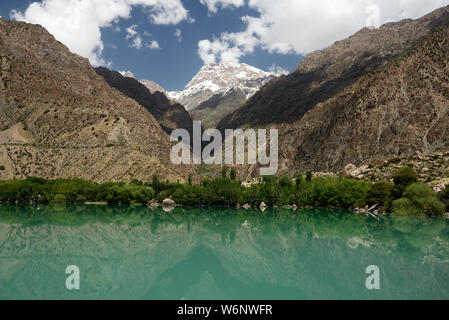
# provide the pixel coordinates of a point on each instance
(218, 79)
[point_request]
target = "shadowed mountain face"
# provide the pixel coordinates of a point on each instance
(325, 73)
(170, 115)
(59, 119)
(400, 111)
(211, 111)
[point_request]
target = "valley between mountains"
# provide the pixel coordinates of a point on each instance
(378, 98)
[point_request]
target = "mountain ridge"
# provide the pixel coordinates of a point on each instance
(170, 115)
(218, 79)
(324, 73)
(400, 111)
(59, 119)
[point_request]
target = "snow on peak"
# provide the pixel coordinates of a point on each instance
(220, 78)
(127, 74)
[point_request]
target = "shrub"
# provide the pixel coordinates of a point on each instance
(339, 192)
(309, 176)
(379, 193)
(80, 199)
(299, 180)
(286, 182)
(404, 178)
(233, 174)
(224, 173)
(404, 207)
(419, 199)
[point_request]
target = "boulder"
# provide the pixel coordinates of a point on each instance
(360, 172)
(167, 203)
(348, 170)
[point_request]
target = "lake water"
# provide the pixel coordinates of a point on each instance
(210, 253)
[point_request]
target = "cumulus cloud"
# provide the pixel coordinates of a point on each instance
(154, 45)
(212, 5)
(137, 43)
(302, 26)
(78, 23)
(131, 31)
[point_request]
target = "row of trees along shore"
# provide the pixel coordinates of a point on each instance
(405, 196)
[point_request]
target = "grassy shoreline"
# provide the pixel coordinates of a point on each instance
(406, 196)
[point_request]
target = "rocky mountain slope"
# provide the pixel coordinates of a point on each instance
(59, 119)
(153, 86)
(219, 89)
(401, 111)
(169, 115)
(323, 74)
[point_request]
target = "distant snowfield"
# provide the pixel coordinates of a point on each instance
(213, 79)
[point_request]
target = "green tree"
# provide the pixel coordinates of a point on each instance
(299, 180)
(403, 178)
(224, 172)
(419, 199)
(156, 184)
(233, 174)
(380, 193)
(309, 176)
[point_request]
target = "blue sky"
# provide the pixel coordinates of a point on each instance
(262, 33)
(176, 62)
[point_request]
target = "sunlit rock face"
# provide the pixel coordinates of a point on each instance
(59, 119)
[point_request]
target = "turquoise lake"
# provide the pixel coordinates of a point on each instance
(213, 253)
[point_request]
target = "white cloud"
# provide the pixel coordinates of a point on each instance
(212, 5)
(302, 26)
(131, 31)
(169, 12)
(178, 35)
(137, 43)
(78, 23)
(278, 70)
(154, 45)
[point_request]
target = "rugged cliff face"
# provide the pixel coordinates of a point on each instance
(169, 115)
(210, 112)
(58, 118)
(400, 111)
(325, 73)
